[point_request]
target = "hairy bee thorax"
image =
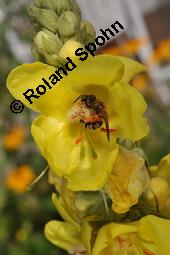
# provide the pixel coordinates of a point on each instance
(88, 110)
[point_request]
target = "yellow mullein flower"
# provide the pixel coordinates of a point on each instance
(127, 181)
(84, 157)
(19, 178)
(69, 234)
(158, 194)
(148, 236)
(14, 139)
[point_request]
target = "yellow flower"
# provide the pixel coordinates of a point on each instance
(19, 178)
(14, 139)
(159, 189)
(84, 157)
(69, 234)
(127, 181)
(148, 236)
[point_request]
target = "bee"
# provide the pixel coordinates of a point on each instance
(97, 115)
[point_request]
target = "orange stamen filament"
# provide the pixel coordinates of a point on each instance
(79, 139)
(148, 253)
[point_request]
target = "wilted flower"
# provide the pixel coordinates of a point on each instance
(127, 181)
(84, 157)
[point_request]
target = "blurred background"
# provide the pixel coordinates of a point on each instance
(146, 38)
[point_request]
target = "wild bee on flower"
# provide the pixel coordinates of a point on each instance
(91, 112)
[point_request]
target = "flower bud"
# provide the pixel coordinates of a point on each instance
(55, 60)
(159, 189)
(47, 43)
(75, 7)
(50, 4)
(35, 52)
(68, 5)
(35, 28)
(88, 33)
(47, 18)
(68, 50)
(68, 24)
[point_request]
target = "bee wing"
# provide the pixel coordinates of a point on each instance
(106, 121)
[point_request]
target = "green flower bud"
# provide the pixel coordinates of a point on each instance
(55, 60)
(37, 55)
(68, 24)
(35, 28)
(74, 7)
(88, 33)
(47, 43)
(47, 4)
(46, 18)
(68, 5)
(35, 52)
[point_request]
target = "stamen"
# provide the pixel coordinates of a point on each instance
(105, 202)
(79, 139)
(148, 252)
(94, 154)
(31, 186)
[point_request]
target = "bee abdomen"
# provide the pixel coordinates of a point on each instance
(92, 125)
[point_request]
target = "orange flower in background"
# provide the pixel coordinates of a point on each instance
(140, 82)
(162, 52)
(128, 48)
(14, 139)
(19, 178)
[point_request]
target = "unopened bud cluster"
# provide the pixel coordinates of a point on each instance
(55, 22)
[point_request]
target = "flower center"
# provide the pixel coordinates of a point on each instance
(89, 111)
(129, 242)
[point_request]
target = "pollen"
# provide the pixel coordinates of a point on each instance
(78, 111)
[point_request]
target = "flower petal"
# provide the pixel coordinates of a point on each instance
(63, 234)
(29, 76)
(101, 70)
(106, 235)
(131, 67)
(128, 107)
(156, 230)
(86, 235)
(163, 169)
(58, 202)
